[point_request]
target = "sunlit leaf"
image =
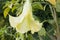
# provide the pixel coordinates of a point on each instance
(19, 11)
(37, 5)
(7, 4)
(6, 11)
(13, 8)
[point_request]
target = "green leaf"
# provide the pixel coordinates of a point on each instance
(42, 32)
(6, 11)
(13, 8)
(7, 4)
(22, 36)
(37, 5)
(19, 11)
(2, 30)
(30, 37)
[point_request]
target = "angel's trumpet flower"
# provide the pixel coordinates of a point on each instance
(25, 21)
(53, 2)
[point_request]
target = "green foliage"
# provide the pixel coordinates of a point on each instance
(58, 6)
(2, 30)
(37, 5)
(30, 37)
(42, 32)
(6, 11)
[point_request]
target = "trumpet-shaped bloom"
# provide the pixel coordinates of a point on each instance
(53, 2)
(25, 21)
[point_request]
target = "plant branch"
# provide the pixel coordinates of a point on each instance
(53, 11)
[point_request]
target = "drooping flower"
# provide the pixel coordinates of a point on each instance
(25, 21)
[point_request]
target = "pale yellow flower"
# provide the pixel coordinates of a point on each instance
(53, 2)
(25, 22)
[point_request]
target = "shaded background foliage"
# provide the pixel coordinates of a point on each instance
(48, 31)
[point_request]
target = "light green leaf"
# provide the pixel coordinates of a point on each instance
(7, 4)
(37, 5)
(6, 11)
(2, 30)
(19, 10)
(13, 8)
(42, 32)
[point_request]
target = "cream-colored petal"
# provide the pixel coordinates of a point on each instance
(23, 26)
(15, 20)
(35, 26)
